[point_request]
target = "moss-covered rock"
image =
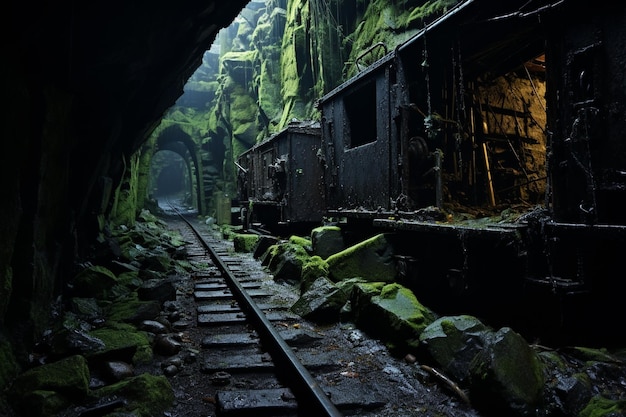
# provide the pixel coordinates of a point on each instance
(286, 262)
(602, 407)
(95, 281)
(302, 241)
(147, 395)
(327, 240)
(123, 342)
(132, 310)
(313, 268)
(68, 377)
(371, 260)
(245, 242)
(392, 313)
(507, 375)
(43, 403)
(322, 302)
(452, 342)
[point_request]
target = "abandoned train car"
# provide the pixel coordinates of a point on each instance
(280, 180)
(494, 141)
(496, 157)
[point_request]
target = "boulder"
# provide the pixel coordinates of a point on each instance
(390, 312)
(371, 260)
(49, 388)
(286, 261)
(506, 376)
(245, 242)
(312, 269)
(94, 282)
(322, 302)
(160, 290)
(326, 241)
(452, 342)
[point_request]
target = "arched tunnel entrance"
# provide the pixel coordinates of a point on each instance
(171, 179)
(175, 173)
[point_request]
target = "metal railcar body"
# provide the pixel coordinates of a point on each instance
(492, 143)
(280, 180)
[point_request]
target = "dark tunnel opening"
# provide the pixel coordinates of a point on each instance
(170, 178)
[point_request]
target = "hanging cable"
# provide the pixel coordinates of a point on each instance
(532, 84)
(428, 120)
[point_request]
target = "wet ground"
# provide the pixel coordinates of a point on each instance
(391, 386)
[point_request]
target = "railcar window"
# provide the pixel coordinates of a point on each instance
(360, 108)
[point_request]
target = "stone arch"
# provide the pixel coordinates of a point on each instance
(174, 139)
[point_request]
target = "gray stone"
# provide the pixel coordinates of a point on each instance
(327, 240)
(158, 290)
(118, 370)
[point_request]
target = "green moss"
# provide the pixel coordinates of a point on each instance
(227, 231)
(286, 261)
(371, 260)
(551, 359)
(270, 100)
(429, 8)
(313, 268)
(390, 312)
(321, 229)
(270, 253)
(147, 395)
(125, 337)
(239, 146)
(600, 407)
(594, 355)
(302, 241)
(448, 326)
(68, 376)
(371, 288)
(245, 242)
(126, 309)
(95, 281)
(402, 303)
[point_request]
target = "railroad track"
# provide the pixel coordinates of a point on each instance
(246, 338)
(259, 359)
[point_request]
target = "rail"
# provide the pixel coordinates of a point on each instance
(305, 387)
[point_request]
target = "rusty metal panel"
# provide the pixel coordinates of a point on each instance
(284, 176)
(358, 143)
(305, 200)
(588, 163)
